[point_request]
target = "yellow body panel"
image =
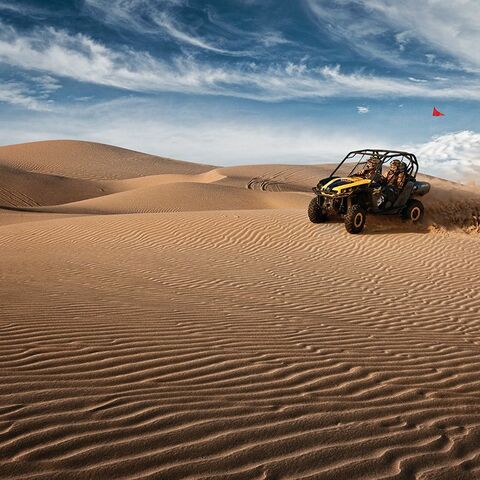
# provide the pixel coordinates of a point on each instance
(354, 182)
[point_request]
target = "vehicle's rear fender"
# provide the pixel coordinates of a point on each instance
(421, 188)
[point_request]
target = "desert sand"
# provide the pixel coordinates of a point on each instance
(162, 319)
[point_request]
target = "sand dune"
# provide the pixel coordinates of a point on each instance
(23, 189)
(202, 341)
(211, 176)
(176, 197)
(88, 160)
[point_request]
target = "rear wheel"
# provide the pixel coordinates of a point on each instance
(355, 219)
(316, 213)
(414, 211)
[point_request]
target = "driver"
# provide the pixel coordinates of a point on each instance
(394, 181)
(370, 168)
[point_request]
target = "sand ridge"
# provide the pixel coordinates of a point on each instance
(241, 343)
(88, 160)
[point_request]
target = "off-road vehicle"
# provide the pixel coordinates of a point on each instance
(350, 193)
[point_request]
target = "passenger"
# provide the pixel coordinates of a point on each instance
(393, 182)
(396, 176)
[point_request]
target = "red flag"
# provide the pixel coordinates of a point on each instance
(436, 113)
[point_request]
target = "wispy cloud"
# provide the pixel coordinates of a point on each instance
(129, 13)
(402, 39)
(270, 38)
(209, 32)
(260, 33)
(153, 18)
(450, 26)
(20, 94)
(419, 80)
(60, 54)
(46, 85)
(362, 110)
(20, 9)
(445, 26)
(168, 24)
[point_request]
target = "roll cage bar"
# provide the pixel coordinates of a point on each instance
(384, 156)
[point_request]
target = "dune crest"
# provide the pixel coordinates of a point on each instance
(90, 161)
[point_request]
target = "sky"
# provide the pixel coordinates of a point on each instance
(228, 82)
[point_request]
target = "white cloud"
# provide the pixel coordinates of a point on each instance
(151, 18)
(271, 38)
(448, 26)
(160, 18)
(129, 13)
(20, 9)
(168, 24)
(421, 80)
(59, 54)
(80, 57)
(293, 68)
(19, 94)
(375, 86)
(46, 85)
(453, 155)
(402, 39)
(362, 110)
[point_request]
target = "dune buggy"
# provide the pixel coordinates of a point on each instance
(349, 193)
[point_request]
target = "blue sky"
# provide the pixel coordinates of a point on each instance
(246, 81)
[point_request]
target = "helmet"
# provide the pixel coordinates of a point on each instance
(395, 165)
(373, 161)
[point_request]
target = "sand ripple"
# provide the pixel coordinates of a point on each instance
(237, 344)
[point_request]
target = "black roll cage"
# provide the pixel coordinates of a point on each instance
(384, 156)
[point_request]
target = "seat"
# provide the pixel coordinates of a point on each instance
(405, 193)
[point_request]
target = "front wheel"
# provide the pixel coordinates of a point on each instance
(355, 219)
(414, 211)
(316, 214)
